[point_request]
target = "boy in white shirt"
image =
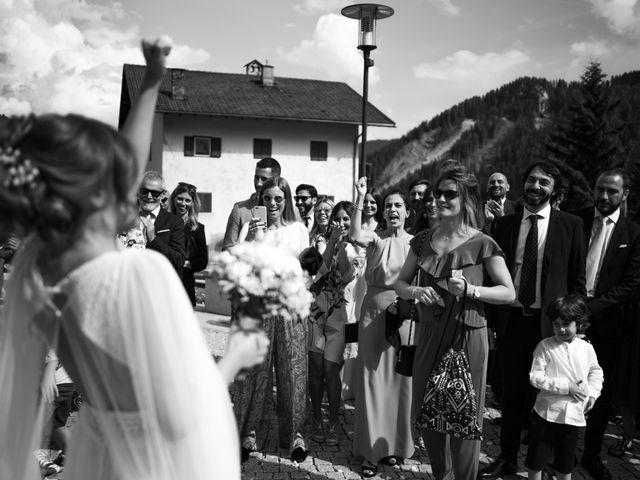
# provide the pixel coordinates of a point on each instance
(565, 369)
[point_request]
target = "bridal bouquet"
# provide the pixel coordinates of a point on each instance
(261, 280)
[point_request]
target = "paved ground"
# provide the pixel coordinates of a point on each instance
(338, 463)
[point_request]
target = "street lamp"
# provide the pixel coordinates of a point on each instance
(367, 14)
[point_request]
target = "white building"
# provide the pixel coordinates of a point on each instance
(211, 129)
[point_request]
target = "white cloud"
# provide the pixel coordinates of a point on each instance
(589, 49)
(446, 6)
(332, 50)
(310, 7)
(623, 16)
(465, 66)
(66, 56)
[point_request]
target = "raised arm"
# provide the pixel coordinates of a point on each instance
(356, 234)
(139, 124)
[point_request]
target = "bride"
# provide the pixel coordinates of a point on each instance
(156, 406)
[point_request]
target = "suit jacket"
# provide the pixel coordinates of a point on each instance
(169, 239)
(197, 253)
(563, 263)
(619, 276)
(240, 214)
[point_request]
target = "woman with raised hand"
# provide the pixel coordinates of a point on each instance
(453, 260)
(383, 397)
(185, 203)
(288, 352)
(155, 405)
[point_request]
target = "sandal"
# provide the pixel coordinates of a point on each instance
(369, 469)
(392, 460)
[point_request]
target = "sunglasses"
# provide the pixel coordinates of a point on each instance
(301, 198)
(154, 193)
(188, 186)
(267, 199)
(447, 194)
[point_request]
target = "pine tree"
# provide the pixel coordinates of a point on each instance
(586, 138)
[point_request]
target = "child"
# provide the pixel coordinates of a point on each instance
(565, 369)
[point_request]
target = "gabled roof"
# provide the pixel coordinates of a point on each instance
(240, 95)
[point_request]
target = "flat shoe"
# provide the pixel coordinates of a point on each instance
(391, 460)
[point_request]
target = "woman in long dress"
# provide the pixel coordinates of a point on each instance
(288, 352)
(383, 397)
(453, 252)
(155, 405)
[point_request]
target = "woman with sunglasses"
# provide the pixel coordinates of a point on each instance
(452, 264)
(383, 398)
(288, 352)
(156, 406)
(185, 203)
(318, 234)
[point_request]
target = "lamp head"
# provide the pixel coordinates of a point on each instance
(367, 14)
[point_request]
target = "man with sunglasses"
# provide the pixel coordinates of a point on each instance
(241, 212)
(545, 253)
(158, 230)
(306, 198)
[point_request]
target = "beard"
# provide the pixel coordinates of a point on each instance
(606, 208)
(497, 193)
(536, 197)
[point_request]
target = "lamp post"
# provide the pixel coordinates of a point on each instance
(367, 14)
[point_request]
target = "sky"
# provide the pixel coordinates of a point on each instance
(67, 55)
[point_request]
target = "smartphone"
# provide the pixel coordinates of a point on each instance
(260, 212)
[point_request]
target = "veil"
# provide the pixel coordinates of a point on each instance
(156, 406)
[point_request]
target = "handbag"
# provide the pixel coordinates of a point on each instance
(351, 332)
(405, 355)
(400, 310)
(450, 405)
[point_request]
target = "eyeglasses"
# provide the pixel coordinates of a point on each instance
(154, 193)
(447, 194)
(301, 198)
(188, 186)
(267, 199)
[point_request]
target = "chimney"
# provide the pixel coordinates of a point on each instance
(177, 85)
(267, 75)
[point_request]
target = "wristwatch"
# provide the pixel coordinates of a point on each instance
(475, 293)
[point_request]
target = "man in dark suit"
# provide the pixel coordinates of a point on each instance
(497, 205)
(544, 250)
(241, 212)
(159, 230)
(613, 276)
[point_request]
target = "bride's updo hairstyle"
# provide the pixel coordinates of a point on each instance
(50, 165)
(467, 185)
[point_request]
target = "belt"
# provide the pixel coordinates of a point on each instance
(528, 311)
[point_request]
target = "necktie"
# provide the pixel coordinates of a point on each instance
(527, 290)
(306, 222)
(594, 255)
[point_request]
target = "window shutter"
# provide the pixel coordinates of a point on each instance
(216, 147)
(188, 146)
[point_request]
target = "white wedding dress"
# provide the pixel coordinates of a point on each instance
(156, 406)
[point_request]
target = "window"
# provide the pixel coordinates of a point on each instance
(319, 151)
(261, 148)
(201, 146)
(205, 202)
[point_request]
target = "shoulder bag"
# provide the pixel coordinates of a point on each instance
(450, 405)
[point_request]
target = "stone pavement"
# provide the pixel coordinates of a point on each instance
(338, 463)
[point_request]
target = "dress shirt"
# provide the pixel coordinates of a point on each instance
(525, 225)
(308, 220)
(555, 365)
(153, 214)
(609, 225)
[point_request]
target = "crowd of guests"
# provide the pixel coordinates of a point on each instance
(555, 293)
(549, 316)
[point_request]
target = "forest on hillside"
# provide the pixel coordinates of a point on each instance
(531, 119)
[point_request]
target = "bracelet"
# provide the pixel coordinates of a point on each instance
(359, 208)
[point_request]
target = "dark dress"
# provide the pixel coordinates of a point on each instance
(434, 331)
(198, 256)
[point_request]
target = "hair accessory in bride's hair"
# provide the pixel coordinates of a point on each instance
(19, 170)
